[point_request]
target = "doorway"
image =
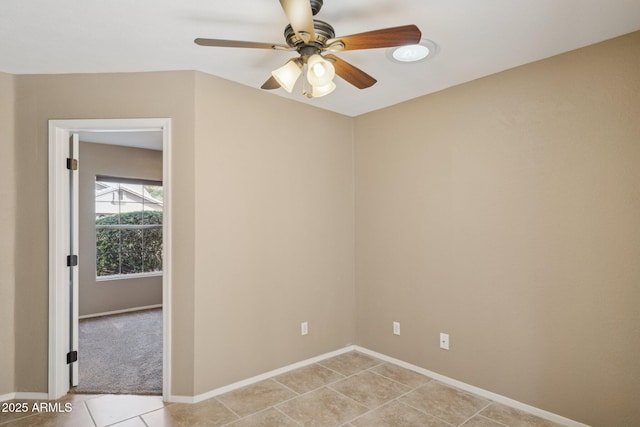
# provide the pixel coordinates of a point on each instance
(63, 286)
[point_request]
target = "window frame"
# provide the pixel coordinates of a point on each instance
(160, 226)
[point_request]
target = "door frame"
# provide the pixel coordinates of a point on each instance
(59, 231)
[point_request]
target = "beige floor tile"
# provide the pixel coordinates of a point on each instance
(514, 417)
(447, 403)
(350, 363)
(480, 421)
(403, 376)
(78, 417)
(322, 407)
(269, 418)
(370, 389)
(208, 413)
(110, 409)
(79, 397)
(133, 422)
(396, 414)
(16, 409)
(308, 378)
(256, 397)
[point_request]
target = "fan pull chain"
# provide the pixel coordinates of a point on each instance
(307, 90)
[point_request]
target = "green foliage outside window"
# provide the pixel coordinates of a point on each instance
(129, 250)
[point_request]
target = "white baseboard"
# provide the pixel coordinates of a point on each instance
(31, 396)
(444, 379)
(258, 378)
(8, 396)
(20, 395)
(476, 390)
(127, 310)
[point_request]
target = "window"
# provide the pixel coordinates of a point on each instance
(128, 226)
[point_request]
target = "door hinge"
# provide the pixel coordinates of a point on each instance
(72, 260)
(72, 356)
(72, 164)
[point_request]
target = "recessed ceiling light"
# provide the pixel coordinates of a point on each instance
(413, 53)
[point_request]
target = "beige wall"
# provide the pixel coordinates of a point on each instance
(7, 233)
(40, 98)
(505, 212)
(274, 241)
(272, 212)
(111, 295)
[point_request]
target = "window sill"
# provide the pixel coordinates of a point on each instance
(128, 276)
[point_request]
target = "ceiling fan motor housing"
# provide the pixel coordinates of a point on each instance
(316, 5)
(324, 32)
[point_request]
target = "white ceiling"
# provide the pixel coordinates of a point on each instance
(139, 138)
(476, 38)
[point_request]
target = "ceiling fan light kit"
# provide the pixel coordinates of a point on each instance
(320, 71)
(288, 74)
(310, 38)
(319, 91)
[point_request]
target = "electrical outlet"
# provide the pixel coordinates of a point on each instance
(304, 328)
(444, 341)
(396, 328)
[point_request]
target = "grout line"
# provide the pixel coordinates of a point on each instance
(300, 395)
(249, 415)
(285, 386)
(327, 386)
(369, 411)
(86, 407)
(287, 415)
(31, 414)
(226, 406)
(261, 377)
(128, 419)
(353, 400)
(491, 419)
(346, 377)
(423, 411)
(398, 382)
(478, 412)
(138, 415)
(332, 370)
(409, 390)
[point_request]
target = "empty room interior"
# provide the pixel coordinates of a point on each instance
(499, 205)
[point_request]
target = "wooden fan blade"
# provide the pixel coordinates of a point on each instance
(388, 37)
(300, 17)
(351, 74)
(270, 84)
(237, 43)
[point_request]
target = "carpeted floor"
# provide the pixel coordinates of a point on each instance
(121, 353)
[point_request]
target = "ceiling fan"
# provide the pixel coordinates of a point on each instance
(312, 39)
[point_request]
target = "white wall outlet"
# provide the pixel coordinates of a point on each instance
(304, 328)
(444, 341)
(396, 328)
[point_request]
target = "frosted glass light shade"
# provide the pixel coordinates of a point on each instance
(321, 72)
(288, 74)
(319, 91)
(422, 51)
(411, 53)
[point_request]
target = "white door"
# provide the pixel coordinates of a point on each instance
(63, 232)
(72, 358)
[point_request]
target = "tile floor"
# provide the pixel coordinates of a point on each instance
(351, 390)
